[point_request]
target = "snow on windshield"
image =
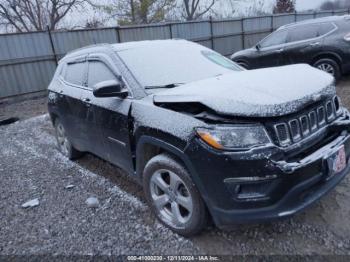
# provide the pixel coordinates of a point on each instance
(160, 63)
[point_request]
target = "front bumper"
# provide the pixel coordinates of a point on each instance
(260, 185)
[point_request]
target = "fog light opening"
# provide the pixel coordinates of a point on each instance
(251, 189)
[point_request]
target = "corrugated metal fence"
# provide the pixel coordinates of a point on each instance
(28, 60)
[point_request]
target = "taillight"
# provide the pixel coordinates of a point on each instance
(347, 37)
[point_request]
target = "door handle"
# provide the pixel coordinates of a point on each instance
(315, 44)
(279, 50)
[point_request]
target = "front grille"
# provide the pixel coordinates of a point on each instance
(300, 127)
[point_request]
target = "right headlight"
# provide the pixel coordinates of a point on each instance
(235, 137)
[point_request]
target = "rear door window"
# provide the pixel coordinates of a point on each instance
(75, 73)
(99, 72)
(301, 33)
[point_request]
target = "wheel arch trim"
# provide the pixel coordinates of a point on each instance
(153, 141)
(328, 55)
(149, 140)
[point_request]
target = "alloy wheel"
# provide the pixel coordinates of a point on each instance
(327, 68)
(62, 140)
(171, 198)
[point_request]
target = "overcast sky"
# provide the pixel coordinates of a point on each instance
(308, 4)
(302, 5)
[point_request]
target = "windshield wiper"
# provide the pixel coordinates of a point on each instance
(164, 86)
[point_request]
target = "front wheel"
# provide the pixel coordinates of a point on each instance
(243, 64)
(329, 66)
(173, 197)
(63, 143)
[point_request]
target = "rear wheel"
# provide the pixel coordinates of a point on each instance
(173, 197)
(63, 143)
(329, 66)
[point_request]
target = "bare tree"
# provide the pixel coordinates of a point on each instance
(241, 8)
(137, 11)
(330, 5)
(257, 8)
(284, 6)
(93, 23)
(194, 9)
(29, 15)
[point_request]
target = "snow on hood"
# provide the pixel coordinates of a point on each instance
(257, 93)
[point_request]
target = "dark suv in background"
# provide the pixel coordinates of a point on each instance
(323, 43)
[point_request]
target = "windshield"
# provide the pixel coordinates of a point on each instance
(171, 63)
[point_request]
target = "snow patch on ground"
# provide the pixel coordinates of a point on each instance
(41, 137)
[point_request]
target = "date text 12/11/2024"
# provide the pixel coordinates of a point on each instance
(173, 258)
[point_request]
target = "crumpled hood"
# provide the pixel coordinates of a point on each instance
(266, 92)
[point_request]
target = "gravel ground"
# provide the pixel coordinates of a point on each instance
(63, 224)
(24, 108)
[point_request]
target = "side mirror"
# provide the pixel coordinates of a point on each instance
(110, 88)
(258, 47)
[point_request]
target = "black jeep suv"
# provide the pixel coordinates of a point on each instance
(323, 43)
(206, 138)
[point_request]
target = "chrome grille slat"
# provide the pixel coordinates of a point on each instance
(336, 103)
(282, 133)
(295, 130)
(321, 116)
(313, 120)
(329, 110)
(304, 125)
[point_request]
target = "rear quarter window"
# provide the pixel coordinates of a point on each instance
(325, 28)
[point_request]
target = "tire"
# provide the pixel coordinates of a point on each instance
(8, 120)
(63, 144)
(180, 205)
(330, 66)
